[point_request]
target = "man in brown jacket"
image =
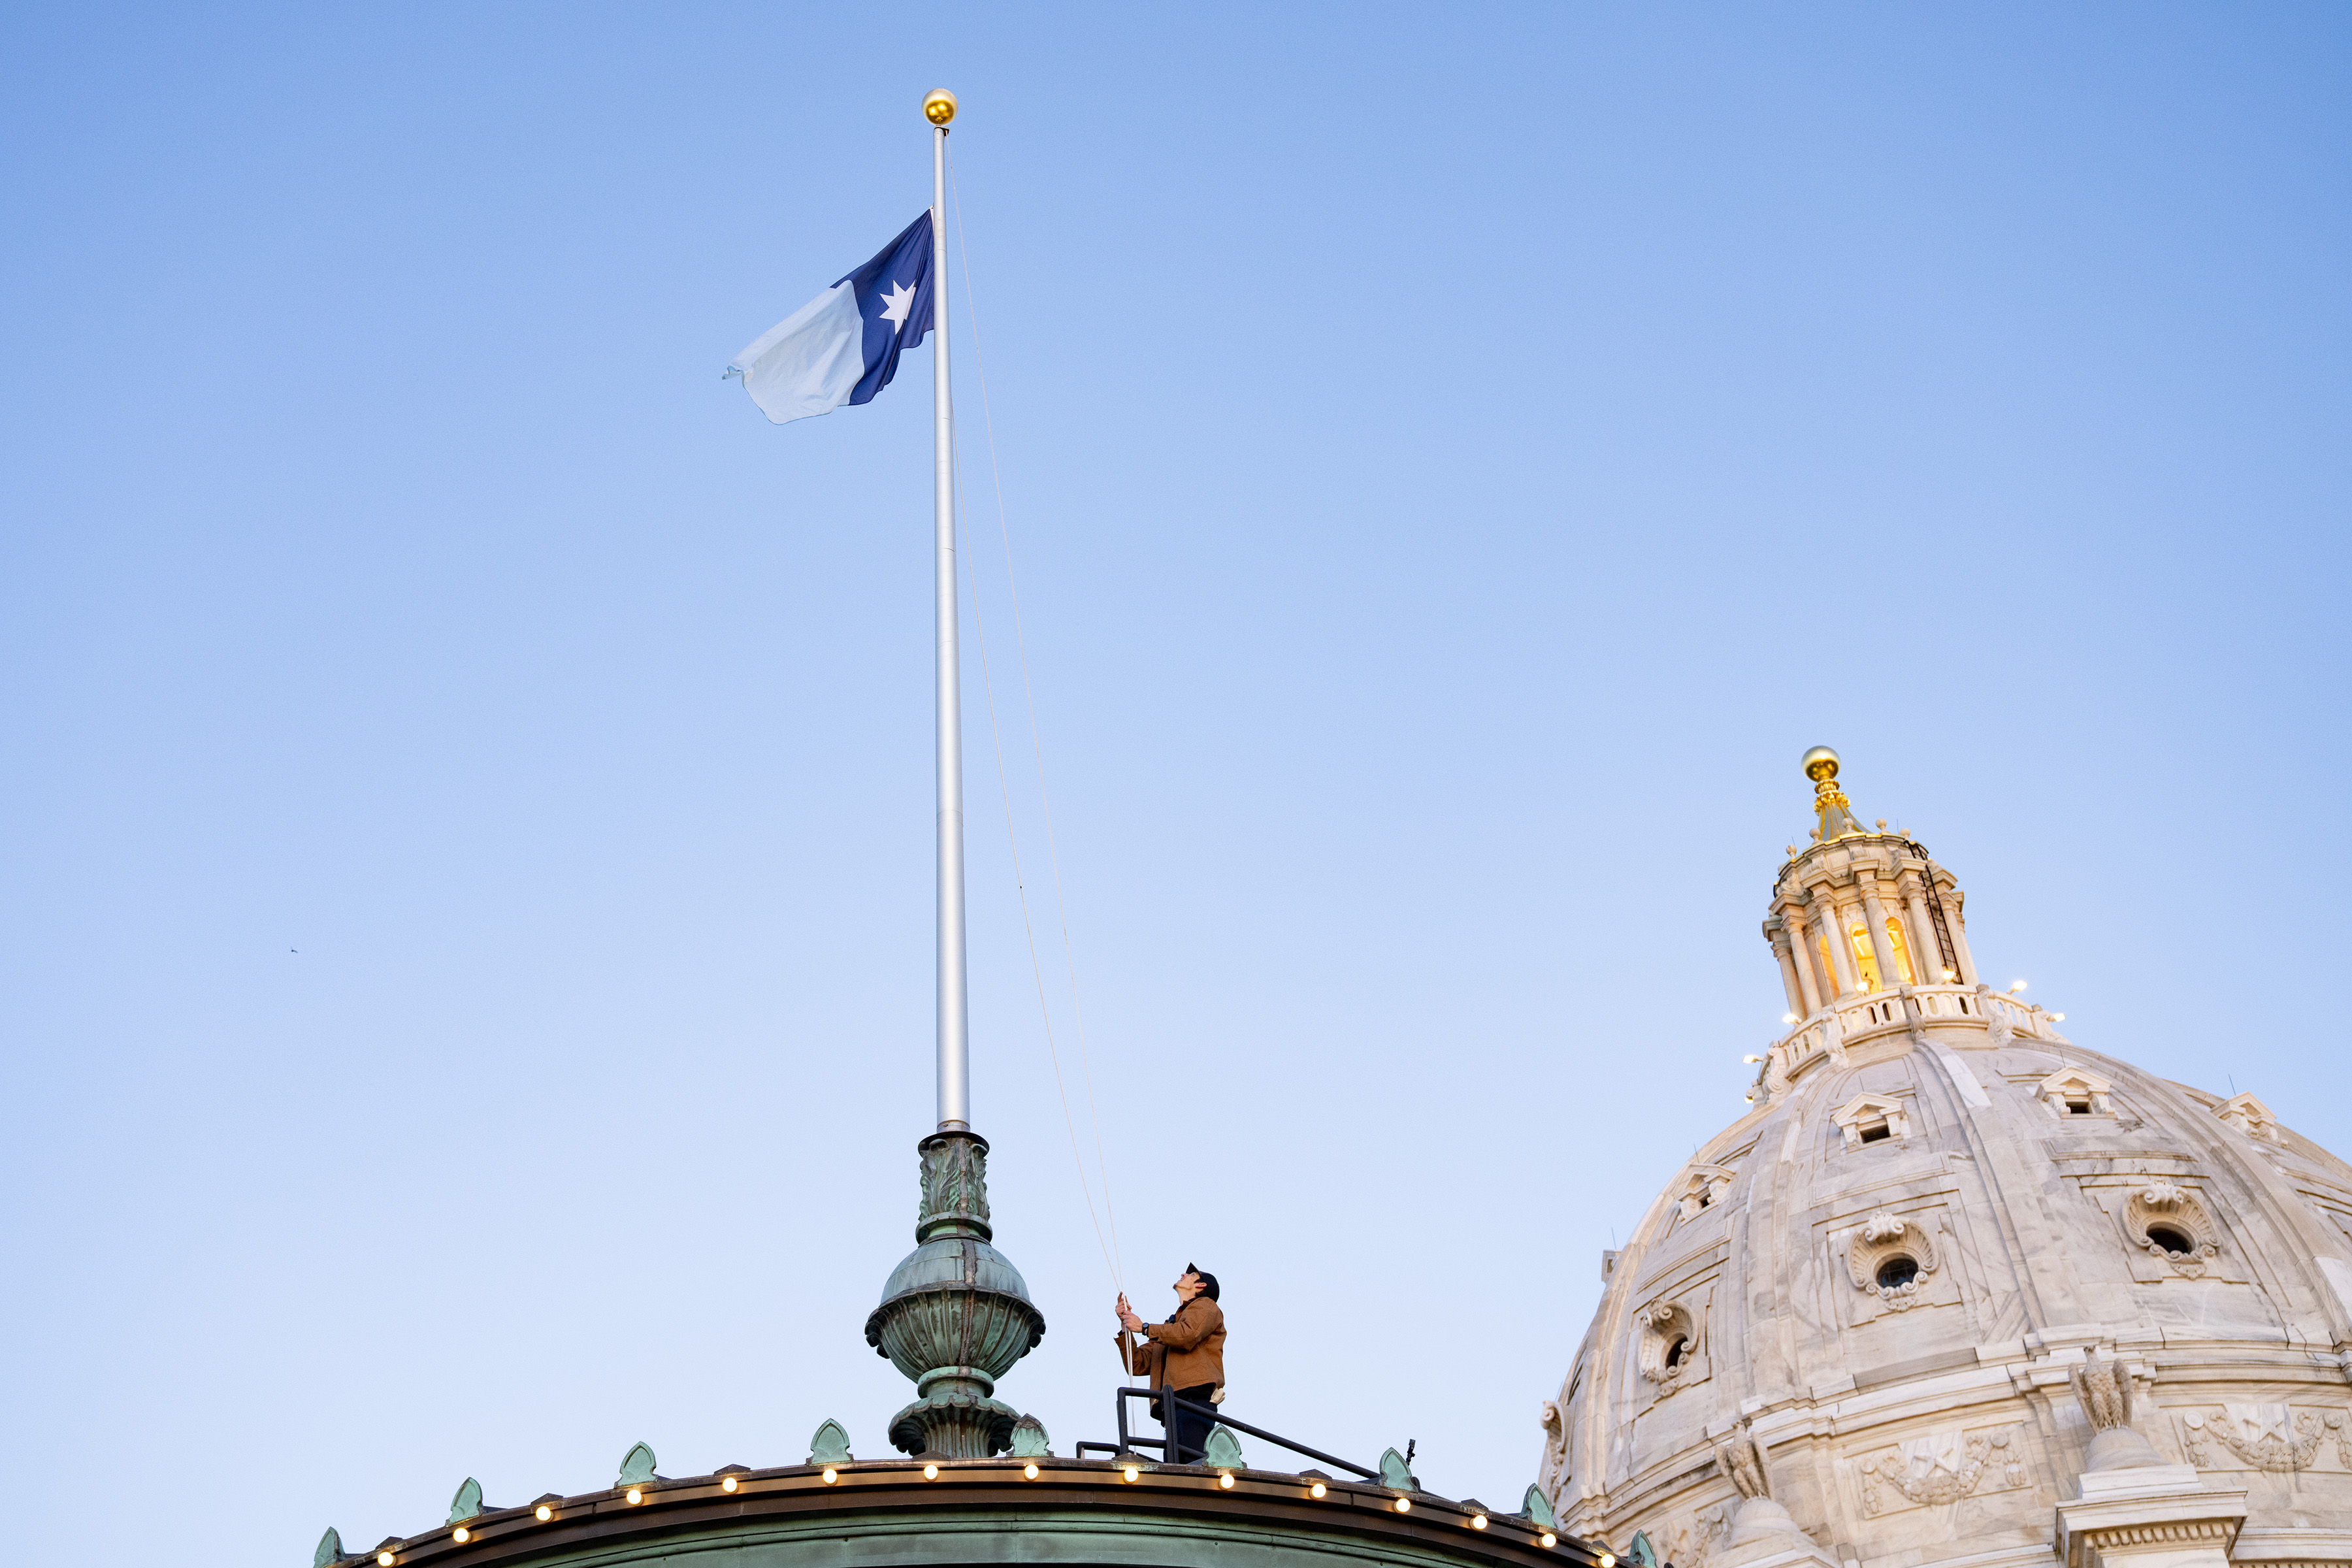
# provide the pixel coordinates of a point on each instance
(1185, 1354)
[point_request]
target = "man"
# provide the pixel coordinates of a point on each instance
(1185, 1355)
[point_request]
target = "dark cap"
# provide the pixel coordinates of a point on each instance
(1208, 1280)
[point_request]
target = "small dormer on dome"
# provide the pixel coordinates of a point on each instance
(2249, 1116)
(2071, 1091)
(1704, 1187)
(1870, 1119)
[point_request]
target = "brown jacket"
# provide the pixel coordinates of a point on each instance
(1185, 1352)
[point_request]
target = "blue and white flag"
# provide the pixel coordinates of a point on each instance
(842, 346)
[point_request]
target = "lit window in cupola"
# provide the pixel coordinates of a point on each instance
(1866, 962)
(1902, 951)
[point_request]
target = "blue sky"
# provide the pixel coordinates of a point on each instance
(467, 837)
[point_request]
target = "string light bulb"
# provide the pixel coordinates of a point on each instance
(930, 1472)
(1029, 1471)
(1317, 1490)
(831, 1475)
(544, 1513)
(728, 1485)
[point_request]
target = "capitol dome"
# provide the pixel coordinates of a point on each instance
(1958, 1290)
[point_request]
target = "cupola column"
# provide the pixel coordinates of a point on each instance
(1832, 935)
(1778, 932)
(1819, 984)
(1874, 915)
(1928, 955)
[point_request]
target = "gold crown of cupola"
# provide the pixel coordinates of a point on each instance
(1836, 813)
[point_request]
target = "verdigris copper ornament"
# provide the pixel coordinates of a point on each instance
(955, 1314)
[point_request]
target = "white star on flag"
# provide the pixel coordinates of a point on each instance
(896, 304)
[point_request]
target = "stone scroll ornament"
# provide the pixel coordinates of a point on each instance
(955, 1314)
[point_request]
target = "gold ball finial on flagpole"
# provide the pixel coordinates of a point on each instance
(939, 106)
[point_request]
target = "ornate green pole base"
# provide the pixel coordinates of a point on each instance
(955, 1314)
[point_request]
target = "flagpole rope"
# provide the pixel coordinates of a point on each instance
(1036, 743)
(1020, 885)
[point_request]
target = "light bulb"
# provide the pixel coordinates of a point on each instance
(2057, 1017)
(1132, 1472)
(1029, 1470)
(1478, 1522)
(2016, 985)
(544, 1513)
(1317, 1490)
(461, 1535)
(728, 1485)
(635, 1495)
(384, 1560)
(1608, 1560)
(831, 1475)
(1788, 1018)
(1226, 1481)
(930, 1472)
(1404, 1505)
(1551, 1540)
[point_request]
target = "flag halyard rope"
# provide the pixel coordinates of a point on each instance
(1110, 1250)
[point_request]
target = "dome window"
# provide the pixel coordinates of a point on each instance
(1890, 1257)
(1670, 1344)
(2171, 1223)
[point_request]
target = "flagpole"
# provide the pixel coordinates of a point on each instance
(955, 1088)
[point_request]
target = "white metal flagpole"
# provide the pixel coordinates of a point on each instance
(955, 1085)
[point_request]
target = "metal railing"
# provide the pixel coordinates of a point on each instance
(1166, 1406)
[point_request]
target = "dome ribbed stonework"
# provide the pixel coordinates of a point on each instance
(1881, 1319)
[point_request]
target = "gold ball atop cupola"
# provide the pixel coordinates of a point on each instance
(1820, 763)
(940, 107)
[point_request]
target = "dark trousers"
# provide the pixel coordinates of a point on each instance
(1188, 1434)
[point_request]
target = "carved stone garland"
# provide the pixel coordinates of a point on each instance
(1884, 1236)
(1938, 1482)
(2263, 1437)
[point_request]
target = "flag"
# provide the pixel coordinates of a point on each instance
(842, 346)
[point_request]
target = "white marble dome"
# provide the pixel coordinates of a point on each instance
(1881, 1319)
